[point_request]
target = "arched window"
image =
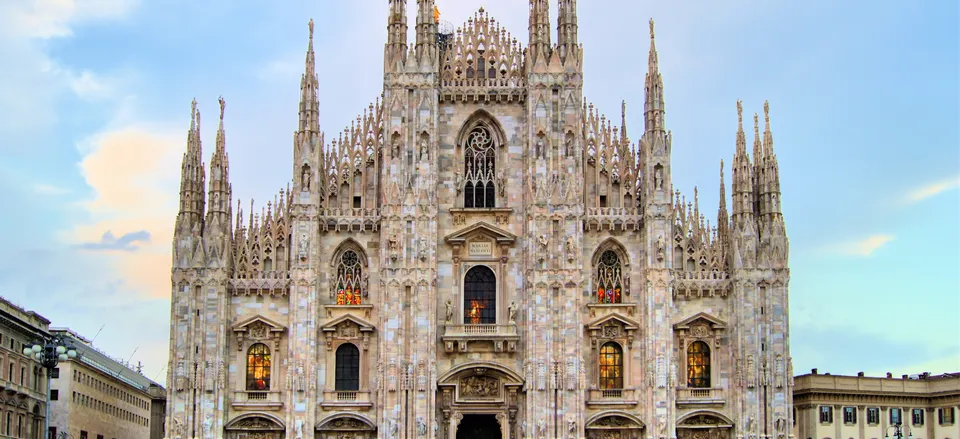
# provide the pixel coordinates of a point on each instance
(348, 367)
(349, 279)
(479, 164)
(480, 296)
(611, 366)
(698, 365)
(258, 367)
(609, 279)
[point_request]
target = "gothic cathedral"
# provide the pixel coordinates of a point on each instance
(481, 254)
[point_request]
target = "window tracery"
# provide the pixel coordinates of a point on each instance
(609, 280)
(479, 190)
(611, 366)
(480, 296)
(698, 365)
(258, 367)
(350, 276)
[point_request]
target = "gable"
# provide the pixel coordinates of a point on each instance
(346, 323)
(700, 318)
(259, 323)
(478, 230)
(614, 319)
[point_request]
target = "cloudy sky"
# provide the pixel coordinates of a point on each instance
(95, 104)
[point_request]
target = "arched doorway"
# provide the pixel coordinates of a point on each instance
(614, 425)
(259, 425)
(476, 426)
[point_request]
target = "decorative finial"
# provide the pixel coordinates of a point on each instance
(756, 124)
(310, 25)
(740, 112)
(766, 112)
(721, 169)
(223, 105)
(651, 28)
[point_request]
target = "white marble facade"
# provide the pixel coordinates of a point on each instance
(480, 254)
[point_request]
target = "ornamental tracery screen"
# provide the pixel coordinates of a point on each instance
(609, 279)
(479, 164)
(258, 367)
(349, 279)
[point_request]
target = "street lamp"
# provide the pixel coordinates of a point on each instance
(897, 432)
(50, 351)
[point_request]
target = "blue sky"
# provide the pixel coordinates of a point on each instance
(864, 109)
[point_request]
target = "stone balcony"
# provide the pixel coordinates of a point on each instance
(612, 397)
(257, 400)
(346, 399)
(480, 338)
(700, 397)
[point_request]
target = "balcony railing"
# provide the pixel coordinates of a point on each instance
(353, 399)
(257, 400)
(458, 337)
(611, 397)
(700, 396)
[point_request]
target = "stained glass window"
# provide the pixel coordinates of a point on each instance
(698, 365)
(609, 278)
(348, 367)
(480, 170)
(349, 279)
(611, 366)
(480, 296)
(258, 367)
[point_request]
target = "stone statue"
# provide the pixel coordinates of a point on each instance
(208, 426)
(392, 428)
(542, 243)
(393, 246)
(304, 247)
(423, 149)
(541, 428)
(660, 249)
(421, 426)
(305, 178)
(422, 249)
(365, 284)
(539, 150)
(512, 312)
(502, 182)
(658, 179)
(449, 313)
(299, 428)
(571, 248)
(458, 182)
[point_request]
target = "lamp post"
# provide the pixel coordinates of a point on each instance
(897, 431)
(50, 351)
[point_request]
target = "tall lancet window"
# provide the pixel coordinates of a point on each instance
(609, 279)
(258, 367)
(698, 365)
(480, 169)
(349, 279)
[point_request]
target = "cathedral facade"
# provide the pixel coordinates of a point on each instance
(480, 254)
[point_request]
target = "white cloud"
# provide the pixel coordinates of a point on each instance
(48, 189)
(865, 247)
(934, 189)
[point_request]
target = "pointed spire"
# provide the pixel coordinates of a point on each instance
(654, 105)
(623, 122)
(426, 46)
(757, 145)
(309, 103)
(192, 174)
(722, 216)
(567, 29)
(742, 181)
(767, 134)
(771, 169)
(539, 28)
(219, 190)
(396, 50)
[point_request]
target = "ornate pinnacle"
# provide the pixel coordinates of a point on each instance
(651, 28)
(310, 25)
(223, 105)
(740, 113)
(766, 112)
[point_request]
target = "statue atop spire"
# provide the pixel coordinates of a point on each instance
(740, 114)
(310, 25)
(223, 105)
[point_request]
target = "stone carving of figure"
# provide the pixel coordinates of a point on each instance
(502, 182)
(661, 372)
(396, 147)
(423, 148)
(305, 178)
(572, 424)
(660, 249)
(523, 429)
(300, 378)
(571, 249)
(181, 377)
(299, 428)
(512, 312)
(780, 424)
(458, 182)
(422, 249)
(568, 147)
(449, 311)
(208, 426)
(393, 246)
(541, 428)
(542, 243)
(421, 426)
(365, 284)
(658, 179)
(304, 247)
(392, 428)
(749, 423)
(539, 150)
(778, 380)
(662, 424)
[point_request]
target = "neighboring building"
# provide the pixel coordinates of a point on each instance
(860, 407)
(22, 380)
(481, 254)
(97, 397)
